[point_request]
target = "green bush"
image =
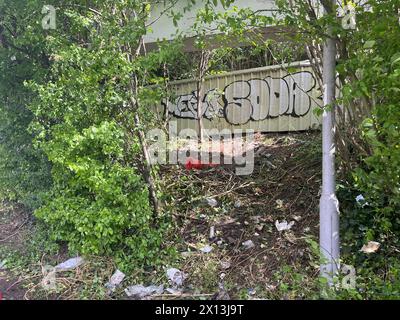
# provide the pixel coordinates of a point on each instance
(98, 206)
(84, 122)
(378, 67)
(24, 170)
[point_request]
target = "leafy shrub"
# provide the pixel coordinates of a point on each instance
(84, 121)
(24, 170)
(98, 205)
(378, 68)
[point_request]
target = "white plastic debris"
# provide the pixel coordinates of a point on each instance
(49, 278)
(251, 291)
(117, 277)
(361, 200)
(248, 244)
(297, 218)
(70, 264)
(212, 202)
(225, 265)
(115, 281)
(370, 247)
(238, 204)
(212, 232)
(176, 277)
(206, 249)
(284, 225)
(2, 265)
(260, 227)
(139, 291)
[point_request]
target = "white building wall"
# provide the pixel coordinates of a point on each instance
(163, 27)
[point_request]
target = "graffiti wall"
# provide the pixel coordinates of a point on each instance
(269, 99)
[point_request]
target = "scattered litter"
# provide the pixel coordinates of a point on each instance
(115, 281)
(256, 219)
(238, 204)
(139, 291)
(222, 276)
(256, 234)
(70, 264)
(206, 249)
(370, 247)
(260, 227)
(220, 242)
(297, 218)
(284, 225)
(49, 280)
(175, 276)
(248, 244)
(361, 200)
(279, 204)
(212, 232)
(192, 163)
(251, 291)
(225, 265)
(2, 265)
(212, 202)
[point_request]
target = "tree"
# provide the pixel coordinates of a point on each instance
(89, 119)
(24, 170)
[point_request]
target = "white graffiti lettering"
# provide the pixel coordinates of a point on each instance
(250, 100)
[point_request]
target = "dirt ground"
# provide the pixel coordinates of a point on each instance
(283, 187)
(14, 228)
(226, 224)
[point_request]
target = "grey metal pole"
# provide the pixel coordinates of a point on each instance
(329, 205)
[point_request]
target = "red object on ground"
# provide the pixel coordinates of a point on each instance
(192, 163)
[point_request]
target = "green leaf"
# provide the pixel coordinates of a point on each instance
(369, 44)
(395, 59)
